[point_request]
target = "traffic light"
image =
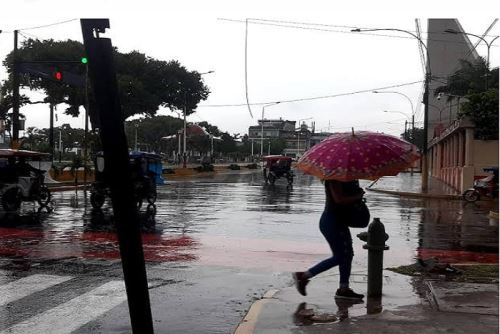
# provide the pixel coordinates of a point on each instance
(84, 60)
(57, 75)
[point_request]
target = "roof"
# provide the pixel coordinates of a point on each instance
(140, 154)
(276, 157)
(7, 152)
(136, 154)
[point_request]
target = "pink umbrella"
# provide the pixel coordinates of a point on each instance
(358, 155)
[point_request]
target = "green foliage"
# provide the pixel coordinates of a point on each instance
(144, 83)
(38, 139)
(415, 136)
(482, 109)
(151, 130)
(478, 85)
(470, 78)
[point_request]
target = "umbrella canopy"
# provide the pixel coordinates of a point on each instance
(358, 155)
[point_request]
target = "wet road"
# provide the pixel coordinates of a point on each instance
(214, 246)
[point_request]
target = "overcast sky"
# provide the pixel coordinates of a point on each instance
(315, 57)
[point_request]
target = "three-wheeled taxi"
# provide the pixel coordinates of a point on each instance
(20, 181)
(277, 166)
(146, 170)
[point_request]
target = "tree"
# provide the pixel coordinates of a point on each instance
(38, 139)
(144, 83)
(151, 130)
(415, 136)
(478, 85)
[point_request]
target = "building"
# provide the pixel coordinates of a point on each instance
(298, 140)
(454, 155)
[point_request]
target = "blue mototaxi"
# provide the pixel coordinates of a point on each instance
(146, 171)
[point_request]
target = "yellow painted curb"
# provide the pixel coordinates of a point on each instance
(247, 325)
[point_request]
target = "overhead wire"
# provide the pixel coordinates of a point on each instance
(49, 25)
(246, 69)
(312, 98)
(297, 26)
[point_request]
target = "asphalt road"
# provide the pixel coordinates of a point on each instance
(215, 245)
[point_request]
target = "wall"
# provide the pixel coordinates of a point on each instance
(485, 155)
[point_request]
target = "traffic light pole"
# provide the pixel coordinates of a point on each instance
(116, 172)
(15, 96)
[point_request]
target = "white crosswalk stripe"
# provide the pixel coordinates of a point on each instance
(75, 313)
(28, 285)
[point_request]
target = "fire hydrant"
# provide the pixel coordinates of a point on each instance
(375, 240)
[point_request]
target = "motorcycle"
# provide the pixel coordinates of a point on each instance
(485, 187)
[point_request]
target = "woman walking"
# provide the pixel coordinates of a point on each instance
(336, 232)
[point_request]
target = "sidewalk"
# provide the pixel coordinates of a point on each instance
(409, 185)
(408, 305)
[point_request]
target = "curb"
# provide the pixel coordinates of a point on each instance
(65, 188)
(418, 195)
(247, 325)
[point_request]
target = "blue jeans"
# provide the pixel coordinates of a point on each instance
(339, 238)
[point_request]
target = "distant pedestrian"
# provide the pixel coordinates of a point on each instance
(336, 232)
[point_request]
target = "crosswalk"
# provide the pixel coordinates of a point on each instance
(64, 318)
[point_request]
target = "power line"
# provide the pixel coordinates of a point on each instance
(49, 25)
(311, 98)
(246, 69)
(277, 24)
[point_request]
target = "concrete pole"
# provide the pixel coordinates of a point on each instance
(15, 96)
(184, 157)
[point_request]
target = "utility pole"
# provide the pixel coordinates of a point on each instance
(184, 155)
(425, 168)
(15, 96)
(51, 131)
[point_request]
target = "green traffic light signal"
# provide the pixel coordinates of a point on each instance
(84, 60)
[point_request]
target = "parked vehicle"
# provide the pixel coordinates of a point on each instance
(20, 181)
(485, 187)
(146, 170)
(277, 166)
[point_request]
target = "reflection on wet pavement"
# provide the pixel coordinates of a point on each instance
(236, 220)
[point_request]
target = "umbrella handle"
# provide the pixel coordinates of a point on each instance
(371, 184)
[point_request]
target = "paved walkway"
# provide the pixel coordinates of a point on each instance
(406, 184)
(408, 304)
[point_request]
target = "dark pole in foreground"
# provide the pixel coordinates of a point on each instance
(114, 142)
(15, 96)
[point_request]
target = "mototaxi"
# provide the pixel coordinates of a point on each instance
(277, 166)
(20, 181)
(146, 172)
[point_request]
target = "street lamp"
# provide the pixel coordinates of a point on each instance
(406, 121)
(262, 127)
(411, 105)
(488, 45)
(428, 76)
